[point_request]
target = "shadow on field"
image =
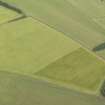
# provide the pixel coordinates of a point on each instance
(99, 47)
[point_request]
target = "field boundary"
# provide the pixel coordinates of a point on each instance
(85, 48)
(77, 41)
(22, 15)
(58, 84)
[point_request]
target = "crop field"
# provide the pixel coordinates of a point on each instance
(52, 52)
(23, 53)
(78, 69)
(26, 51)
(76, 18)
(22, 90)
(94, 8)
(7, 15)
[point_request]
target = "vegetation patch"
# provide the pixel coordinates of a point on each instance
(22, 90)
(79, 69)
(74, 18)
(99, 47)
(28, 45)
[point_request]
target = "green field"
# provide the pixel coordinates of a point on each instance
(22, 90)
(78, 69)
(52, 52)
(76, 18)
(7, 15)
(93, 8)
(33, 49)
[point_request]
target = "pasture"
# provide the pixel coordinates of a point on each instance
(53, 55)
(39, 46)
(79, 70)
(93, 8)
(23, 90)
(76, 18)
(28, 45)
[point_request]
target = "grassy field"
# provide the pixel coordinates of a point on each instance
(76, 18)
(30, 50)
(22, 90)
(58, 70)
(78, 69)
(7, 15)
(33, 49)
(100, 21)
(94, 8)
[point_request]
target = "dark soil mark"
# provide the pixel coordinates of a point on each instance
(99, 47)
